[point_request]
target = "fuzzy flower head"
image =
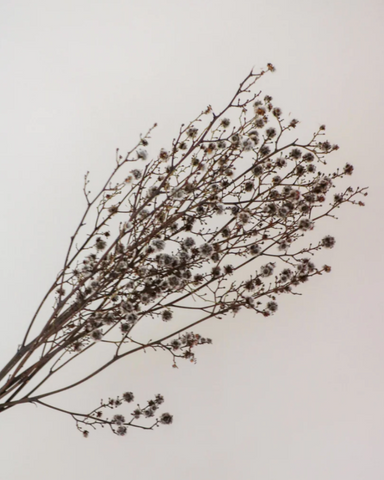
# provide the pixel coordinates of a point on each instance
(259, 108)
(121, 430)
(100, 243)
(264, 150)
(328, 242)
(125, 327)
(166, 419)
(243, 217)
(305, 224)
(235, 139)
(192, 132)
(272, 306)
(254, 136)
(247, 144)
(189, 242)
(225, 122)
(270, 209)
(270, 133)
(276, 179)
(173, 281)
(131, 317)
(295, 153)
(118, 419)
(178, 193)
(159, 399)
(257, 170)
(163, 155)
(277, 112)
(97, 335)
(228, 269)
(158, 244)
(166, 315)
(254, 249)
(249, 301)
(283, 211)
(211, 148)
(126, 307)
(206, 250)
(137, 174)
(308, 157)
(266, 270)
(348, 169)
(128, 397)
(259, 122)
(142, 154)
(281, 162)
(216, 271)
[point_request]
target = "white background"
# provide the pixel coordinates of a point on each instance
(296, 396)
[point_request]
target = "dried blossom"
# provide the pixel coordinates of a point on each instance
(211, 205)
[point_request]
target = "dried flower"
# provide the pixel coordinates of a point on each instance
(142, 154)
(305, 224)
(247, 144)
(121, 430)
(175, 344)
(118, 419)
(216, 271)
(159, 399)
(243, 217)
(128, 397)
(277, 112)
(163, 155)
(235, 139)
(348, 169)
(166, 419)
(166, 315)
(225, 122)
(264, 151)
(328, 242)
(189, 242)
(254, 249)
(206, 249)
(257, 170)
(158, 244)
(97, 335)
(228, 269)
(249, 186)
(270, 133)
(308, 157)
(276, 179)
(272, 306)
(266, 270)
(192, 132)
(100, 243)
(295, 153)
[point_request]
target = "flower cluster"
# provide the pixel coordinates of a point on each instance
(118, 423)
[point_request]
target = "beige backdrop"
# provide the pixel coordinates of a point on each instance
(297, 396)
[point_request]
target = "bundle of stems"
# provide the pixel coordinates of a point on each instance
(215, 223)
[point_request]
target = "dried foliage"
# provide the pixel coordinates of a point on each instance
(214, 224)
